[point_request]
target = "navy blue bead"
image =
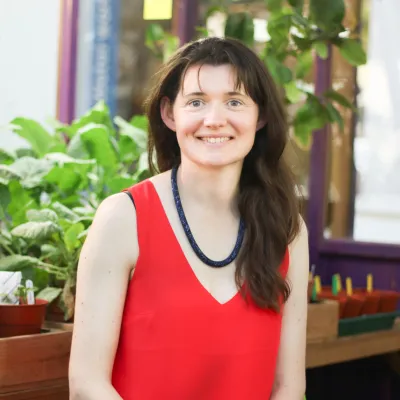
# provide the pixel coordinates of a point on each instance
(189, 235)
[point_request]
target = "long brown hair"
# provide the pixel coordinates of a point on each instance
(267, 199)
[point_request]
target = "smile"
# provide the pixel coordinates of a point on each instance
(215, 139)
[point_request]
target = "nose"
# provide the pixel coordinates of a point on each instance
(215, 118)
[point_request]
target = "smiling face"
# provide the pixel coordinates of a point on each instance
(215, 122)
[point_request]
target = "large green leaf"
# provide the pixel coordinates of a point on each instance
(311, 116)
(339, 98)
(7, 157)
(76, 147)
(39, 139)
(61, 159)
(334, 116)
(20, 202)
(293, 93)
(321, 49)
(49, 251)
(66, 179)
(154, 38)
(327, 14)
(18, 262)
(141, 122)
(304, 64)
(5, 199)
(64, 212)
(240, 26)
(31, 170)
(278, 29)
(119, 183)
(36, 230)
(49, 294)
(99, 114)
(352, 51)
(42, 215)
(298, 4)
(279, 72)
(7, 174)
(274, 5)
(135, 133)
(98, 144)
(71, 236)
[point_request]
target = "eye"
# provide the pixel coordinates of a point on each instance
(235, 103)
(196, 103)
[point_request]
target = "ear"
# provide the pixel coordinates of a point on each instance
(167, 114)
(261, 123)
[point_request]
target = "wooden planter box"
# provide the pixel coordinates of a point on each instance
(322, 320)
(36, 366)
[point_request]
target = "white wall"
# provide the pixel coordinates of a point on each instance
(29, 41)
(377, 149)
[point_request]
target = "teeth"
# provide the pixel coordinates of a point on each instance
(215, 139)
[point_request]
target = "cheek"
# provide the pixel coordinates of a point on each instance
(187, 124)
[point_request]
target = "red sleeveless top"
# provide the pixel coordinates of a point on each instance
(177, 342)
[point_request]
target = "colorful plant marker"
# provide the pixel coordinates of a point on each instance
(349, 287)
(370, 284)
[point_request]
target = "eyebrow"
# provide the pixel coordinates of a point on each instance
(204, 94)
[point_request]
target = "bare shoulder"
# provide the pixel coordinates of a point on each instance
(114, 227)
(162, 181)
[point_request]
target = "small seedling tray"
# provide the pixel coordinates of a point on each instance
(367, 323)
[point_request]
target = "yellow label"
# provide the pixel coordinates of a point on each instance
(157, 9)
(349, 287)
(339, 282)
(369, 283)
(317, 280)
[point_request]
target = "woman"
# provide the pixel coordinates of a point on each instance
(192, 285)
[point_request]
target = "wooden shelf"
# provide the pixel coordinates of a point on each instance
(349, 348)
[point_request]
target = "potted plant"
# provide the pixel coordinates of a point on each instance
(18, 316)
(50, 192)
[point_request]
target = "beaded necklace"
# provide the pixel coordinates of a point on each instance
(189, 235)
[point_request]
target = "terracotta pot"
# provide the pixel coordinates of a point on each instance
(23, 319)
(388, 300)
(371, 303)
(354, 306)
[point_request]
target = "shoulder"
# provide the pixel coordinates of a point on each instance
(114, 226)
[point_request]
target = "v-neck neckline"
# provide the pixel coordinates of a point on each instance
(186, 261)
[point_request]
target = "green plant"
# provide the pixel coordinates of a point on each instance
(296, 33)
(50, 191)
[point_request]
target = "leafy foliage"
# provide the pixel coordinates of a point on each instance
(296, 34)
(49, 193)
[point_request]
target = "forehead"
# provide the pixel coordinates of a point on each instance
(209, 78)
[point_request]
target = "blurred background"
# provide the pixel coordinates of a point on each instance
(73, 78)
(75, 53)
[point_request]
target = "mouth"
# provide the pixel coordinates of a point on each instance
(215, 140)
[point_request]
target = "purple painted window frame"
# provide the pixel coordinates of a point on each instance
(318, 189)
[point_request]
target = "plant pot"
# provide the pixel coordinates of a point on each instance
(388, 301)
(354, 306)
(371, 301)
(22, 319)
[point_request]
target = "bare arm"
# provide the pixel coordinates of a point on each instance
(290, 379)
(105, 264)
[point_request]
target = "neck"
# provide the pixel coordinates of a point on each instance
(215, 187)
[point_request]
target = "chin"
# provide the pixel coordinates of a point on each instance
(212, 162)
